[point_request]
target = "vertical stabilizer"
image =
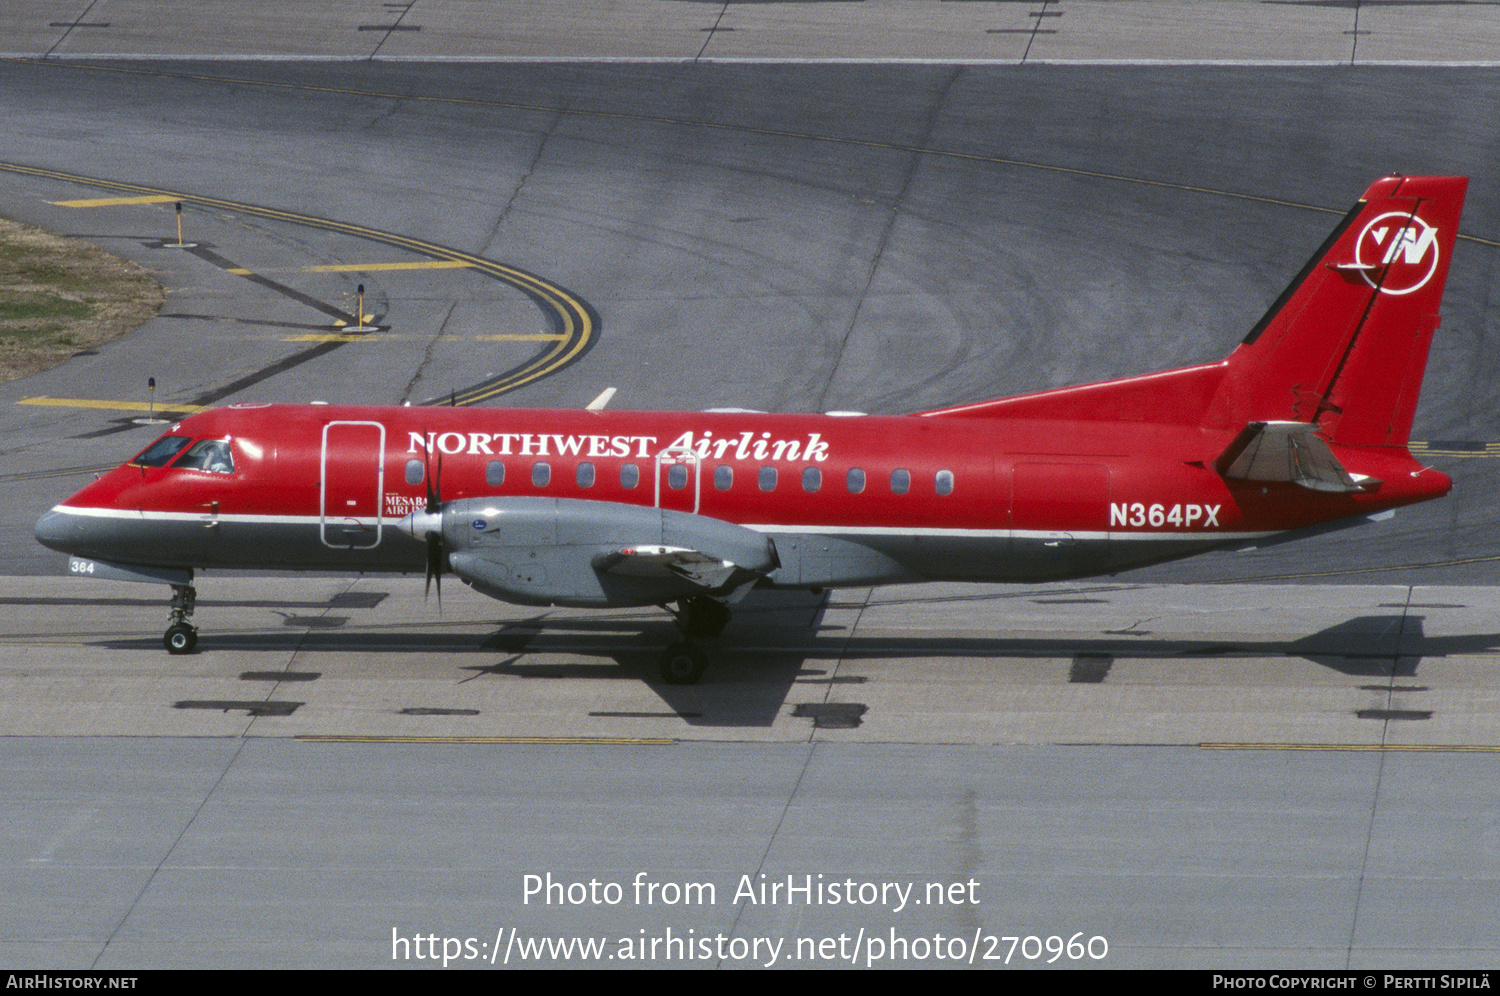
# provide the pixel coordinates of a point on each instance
(1345, 346)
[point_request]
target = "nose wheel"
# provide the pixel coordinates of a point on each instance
(182, 636)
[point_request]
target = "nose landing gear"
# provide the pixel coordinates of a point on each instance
(182, 636)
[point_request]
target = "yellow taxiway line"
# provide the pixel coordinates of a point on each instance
(416, 264)
(373, 337)
(99, 202)
(122, 406)
(331, 337)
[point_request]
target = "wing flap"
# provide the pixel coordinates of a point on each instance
(666, 562)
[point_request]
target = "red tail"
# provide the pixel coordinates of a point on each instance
(1344, 347)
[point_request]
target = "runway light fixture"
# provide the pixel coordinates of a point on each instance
(179, 244)
(359, 314)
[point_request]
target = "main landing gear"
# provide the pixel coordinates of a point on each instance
(182, 636)
(697, 617)
(683, 664)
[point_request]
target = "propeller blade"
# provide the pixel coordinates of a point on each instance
(435, 559)
(434, 487)
(435, 554)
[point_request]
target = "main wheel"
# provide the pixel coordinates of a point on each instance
(180, 639)
(682, 664)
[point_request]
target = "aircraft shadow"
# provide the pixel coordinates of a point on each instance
(779, 639)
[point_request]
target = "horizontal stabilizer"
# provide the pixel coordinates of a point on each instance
(1287, 451)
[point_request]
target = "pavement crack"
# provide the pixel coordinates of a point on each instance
(1036, 29)
(70, 25)
(893, 215)
(1134, 629)
(416, 375)
(523, 179)
(709, 32)
(171, 849)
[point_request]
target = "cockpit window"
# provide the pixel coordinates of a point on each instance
(208, 454)
(161, 452)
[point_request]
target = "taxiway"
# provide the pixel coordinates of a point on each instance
(1282, 763)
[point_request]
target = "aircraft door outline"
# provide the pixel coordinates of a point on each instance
(687, 496)
(347, 526)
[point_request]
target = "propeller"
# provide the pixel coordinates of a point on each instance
(430, 525)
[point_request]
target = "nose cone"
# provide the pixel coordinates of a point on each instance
(57, 530)
(420, 523)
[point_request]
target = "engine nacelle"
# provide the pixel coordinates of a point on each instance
(565, 551)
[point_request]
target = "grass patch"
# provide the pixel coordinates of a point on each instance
(60, 297)
(51, 333)
(22, 306)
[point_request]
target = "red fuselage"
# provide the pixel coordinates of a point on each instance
(845, 499)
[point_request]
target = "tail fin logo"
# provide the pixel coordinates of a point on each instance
(1403, 246)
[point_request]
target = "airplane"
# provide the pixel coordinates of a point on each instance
(1302, 428)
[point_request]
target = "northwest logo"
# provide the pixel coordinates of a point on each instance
(1401, 244)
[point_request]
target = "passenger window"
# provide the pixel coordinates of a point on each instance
(208, 454)
(161, 452)
(630, 475)
(943, 482)
(767, 478)
(677, 476)
(855, 481)
(414, 471)
(541, 473)
(585, 475)
(812, 479)
(900, 482)
(494, 473)
(723, 477)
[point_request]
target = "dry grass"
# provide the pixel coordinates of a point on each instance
(60, 297)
